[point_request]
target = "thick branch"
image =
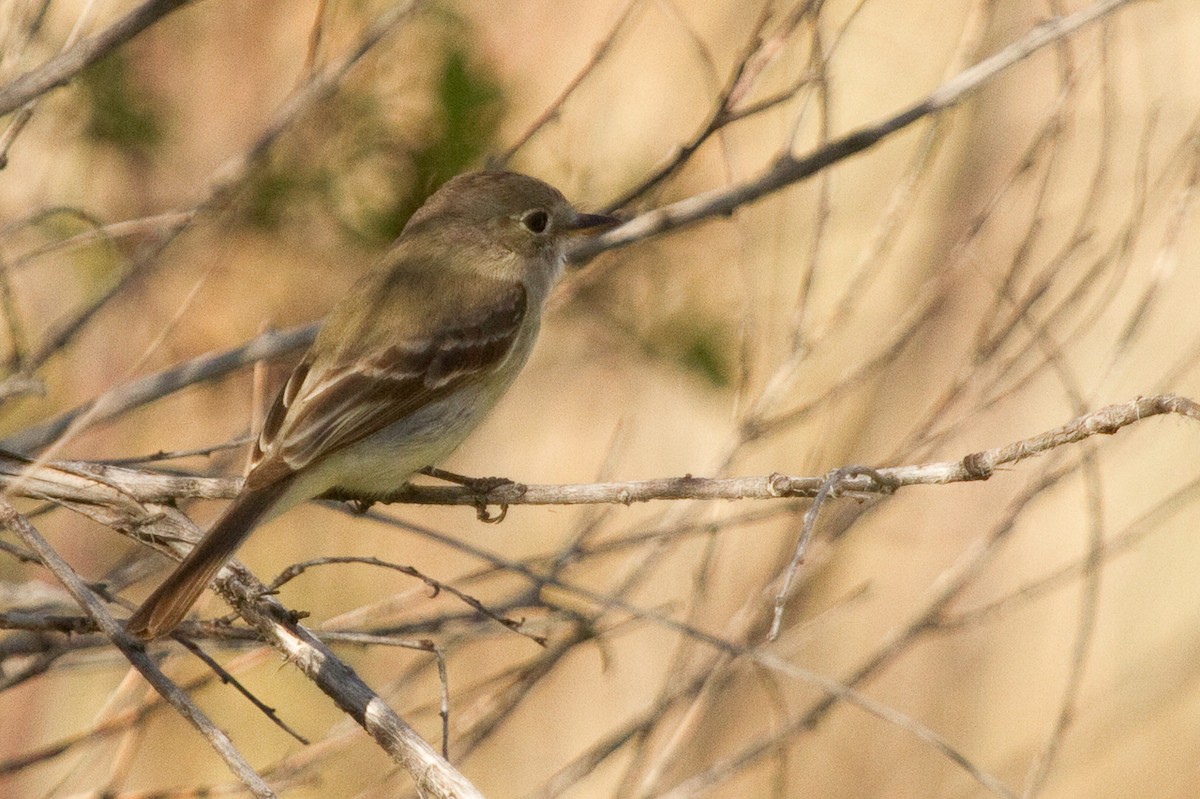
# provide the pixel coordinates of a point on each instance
(433, 775)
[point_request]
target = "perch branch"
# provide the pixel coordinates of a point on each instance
(120, 487)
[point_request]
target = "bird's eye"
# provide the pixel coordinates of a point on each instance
(536, 221)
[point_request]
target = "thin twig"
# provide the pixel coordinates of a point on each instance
(554, 108)
(144, 390)
(61, 69)
(296, 569)
(82, 482)
(788, 169)
(832, 483)
(224, 676)
(134, 652)
(432, 773)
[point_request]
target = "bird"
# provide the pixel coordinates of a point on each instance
(405, 365)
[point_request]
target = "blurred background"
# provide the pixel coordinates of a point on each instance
(987, 274)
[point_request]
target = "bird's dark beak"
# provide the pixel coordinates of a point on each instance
(592, 224)
(580, 233)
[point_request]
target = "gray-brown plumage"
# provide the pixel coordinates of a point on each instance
(405, 366)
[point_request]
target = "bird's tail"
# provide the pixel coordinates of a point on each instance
(172, 600)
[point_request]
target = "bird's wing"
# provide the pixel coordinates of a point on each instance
(326, 406)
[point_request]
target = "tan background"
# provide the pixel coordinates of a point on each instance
(1056, 211)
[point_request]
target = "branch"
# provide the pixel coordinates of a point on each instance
(124, 490)
(553, 110)
(115, 496)
(971, 467)
(133, 651)
(749, 66)
(789, 169)
(433, 774)
(121, 510)
(230, 176)
(156, 386)
(59, 71)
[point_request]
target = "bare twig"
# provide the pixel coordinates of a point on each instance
(142, 226)
(81, 482)
(554, 108)
(21, 94)
(144, 390)
(231, 175)
(296, 569)
(829, 488)
(788, 169)
(432, 773)
(59, 70)
(746, 70)
(134, 652)
(228, 679)
(975, 466)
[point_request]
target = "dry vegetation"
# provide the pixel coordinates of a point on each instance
(911, 238)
